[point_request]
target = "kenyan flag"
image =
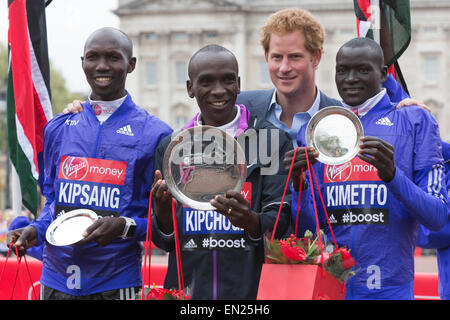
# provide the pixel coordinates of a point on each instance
(28, 101)
(394, 28)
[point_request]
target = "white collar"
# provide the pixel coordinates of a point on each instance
(368, 104)
(104, 109)
(230, 127)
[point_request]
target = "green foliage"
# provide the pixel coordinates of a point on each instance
(61, 96)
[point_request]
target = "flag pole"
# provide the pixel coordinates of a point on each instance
(376, 17)
(16, 193)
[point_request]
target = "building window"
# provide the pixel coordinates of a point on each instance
(264, 76)
(431, 69)
(430, 30)
(151, 78)
(180, 36)
(151, 36)
(180, 72)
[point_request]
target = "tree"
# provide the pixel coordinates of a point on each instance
(60, 94)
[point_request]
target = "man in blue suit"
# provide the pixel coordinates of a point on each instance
(293, 45)
(292, 40)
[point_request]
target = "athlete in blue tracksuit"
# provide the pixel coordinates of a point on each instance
(116, 182)
(373, 210)
(104, 163)
(439, 240)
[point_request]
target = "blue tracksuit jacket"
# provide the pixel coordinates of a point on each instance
(107, 168)
(379, 221)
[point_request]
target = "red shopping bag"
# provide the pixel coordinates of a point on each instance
(19, 281)
(299, 281)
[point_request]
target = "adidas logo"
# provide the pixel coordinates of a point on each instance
(126, 130)
(332, 219)
(190, 244)
(384, 122)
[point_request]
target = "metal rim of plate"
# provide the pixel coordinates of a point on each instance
(335, 132)
(73, 219)
(172, 153)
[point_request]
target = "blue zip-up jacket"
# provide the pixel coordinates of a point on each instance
(105, 167)
(440, 239)
(378, 221)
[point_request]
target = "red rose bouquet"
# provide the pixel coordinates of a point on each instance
(337, 261)
(162, 294)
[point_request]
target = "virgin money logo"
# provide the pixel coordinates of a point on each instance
(97, 110)
(354, 170)
(338, 173)
(75, 168)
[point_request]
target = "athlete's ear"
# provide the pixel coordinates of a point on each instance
(384, 73)
(189, 88)
(131, 65)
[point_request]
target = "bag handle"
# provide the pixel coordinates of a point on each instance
(311, 170)
(19, 259)
(148, 248)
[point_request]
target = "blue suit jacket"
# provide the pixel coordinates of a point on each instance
(258, 101)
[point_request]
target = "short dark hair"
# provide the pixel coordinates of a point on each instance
(365, 42)
(128, 45)
(209, 48)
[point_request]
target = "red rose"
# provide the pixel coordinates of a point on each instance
(347, 260)
(293, 253)
(157, 294)
(318, 259)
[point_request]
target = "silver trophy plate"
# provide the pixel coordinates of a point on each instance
(67, 228)
(335, 132)
(202, 162)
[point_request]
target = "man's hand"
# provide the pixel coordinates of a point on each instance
(238, 210)
(299, 164)
(408, 102)
(103, 231)
(22, 238)
(74, 107)
(163, 203)
(380, 154)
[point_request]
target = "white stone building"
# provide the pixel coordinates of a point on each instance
(167, 32)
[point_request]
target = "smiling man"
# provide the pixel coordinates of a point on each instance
(223, 260)
(101, 159)
(376, 212)
(292, 40)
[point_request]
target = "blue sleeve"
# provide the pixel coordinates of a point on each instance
(424, 199)
(440, 239)
(426, 196)
(434, 240)
(50, 158)
(394, 90)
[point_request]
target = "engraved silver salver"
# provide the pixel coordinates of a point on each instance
(335, 132)
(202, 162)
(68, 227)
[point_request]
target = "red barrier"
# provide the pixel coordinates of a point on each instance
(158, 274)
(23, 289)
(425, 284)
